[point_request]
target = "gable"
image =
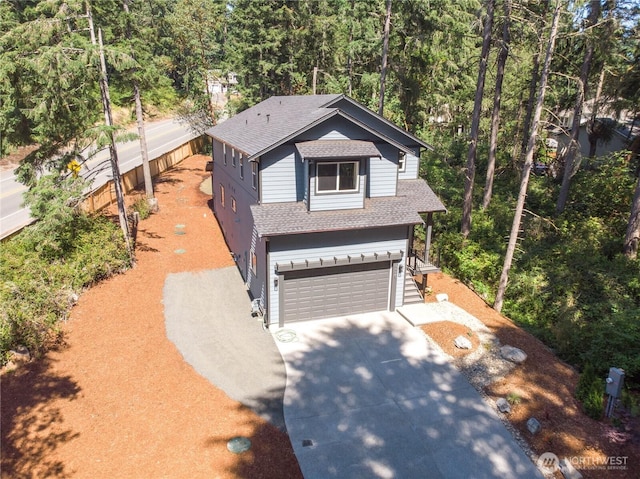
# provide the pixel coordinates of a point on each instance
(278, 120)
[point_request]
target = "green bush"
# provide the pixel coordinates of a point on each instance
(593, 404)
(38, 286)
(590, 392)
(141, 206)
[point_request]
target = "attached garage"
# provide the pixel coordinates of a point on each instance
(337, 290)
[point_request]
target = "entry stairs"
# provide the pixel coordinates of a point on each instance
(411, 292)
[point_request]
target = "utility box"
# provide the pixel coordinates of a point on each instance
(615, 380)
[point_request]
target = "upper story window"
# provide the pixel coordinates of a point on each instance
(234, 207)
(233, 157)
(254, 175)
(241, 166)
(337, 177)
(222, 195)
(402, 161)
(224, 154)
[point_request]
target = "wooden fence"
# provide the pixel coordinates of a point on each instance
(105, 195)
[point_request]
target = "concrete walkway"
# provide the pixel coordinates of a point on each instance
(208, 318)
(367, 397)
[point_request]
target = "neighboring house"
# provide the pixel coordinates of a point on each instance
(623, 129)
(317, 197)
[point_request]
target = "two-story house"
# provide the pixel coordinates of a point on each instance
(317, 197)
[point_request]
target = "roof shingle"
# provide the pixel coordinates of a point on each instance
(276, 219)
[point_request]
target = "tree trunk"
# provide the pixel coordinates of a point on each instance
(106, 105)
(526, 169)
(470, 169)
(495, 115)
(632, 238)
(569, 160)
(385, 54)
(146, 170)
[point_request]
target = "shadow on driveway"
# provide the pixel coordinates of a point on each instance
(367, 396)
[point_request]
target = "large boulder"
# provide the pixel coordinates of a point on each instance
(462, 343)
(513, 354)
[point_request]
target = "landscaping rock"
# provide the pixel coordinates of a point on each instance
(533, 425)
(462, 343)
(503, 405)
(513, 354)
(441, 297)
(567, 469)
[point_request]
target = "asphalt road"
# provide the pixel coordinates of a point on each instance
(162, 136)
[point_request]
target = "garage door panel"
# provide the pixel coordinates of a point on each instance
(335, 291)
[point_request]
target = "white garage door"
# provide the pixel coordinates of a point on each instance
(335, 291)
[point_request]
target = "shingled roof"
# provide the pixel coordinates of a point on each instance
(272, 121)
(281, 118)
(275, 219)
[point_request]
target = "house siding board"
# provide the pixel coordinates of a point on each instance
(383, 172)
(282, 176)
(412, 168)
(337, 128)
(256, 282)
(327, 245)
(237, 227)
(378, 124)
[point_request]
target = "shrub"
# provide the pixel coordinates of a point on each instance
(593, 404)
(141, 206)
(38, 286)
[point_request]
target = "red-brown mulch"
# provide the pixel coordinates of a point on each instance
(117, 400)
(445, 332)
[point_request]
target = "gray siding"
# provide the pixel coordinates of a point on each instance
(237, 226)
(282, 176)
(412, 166)
(372, 121)
(323, 245)
(336, 128)
(383, 172)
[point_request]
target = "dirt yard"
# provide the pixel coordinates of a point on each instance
(118, 401)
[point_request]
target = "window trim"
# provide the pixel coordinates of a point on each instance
(233, 157)
(234, 205)
(222, 195)
(254, 263)
(337, 190)
(254, 175)
(224, 154)
(402, 161)
(241, 166)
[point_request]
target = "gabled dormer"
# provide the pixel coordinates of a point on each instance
(336, 173)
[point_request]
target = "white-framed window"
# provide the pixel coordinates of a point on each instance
(234, 207)
(222, 195)
(339, 176)
(402, 161)
(233, 157)
(241, 166)
(254, 175)
(224, 154)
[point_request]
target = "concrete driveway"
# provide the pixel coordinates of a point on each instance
(366, 396)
